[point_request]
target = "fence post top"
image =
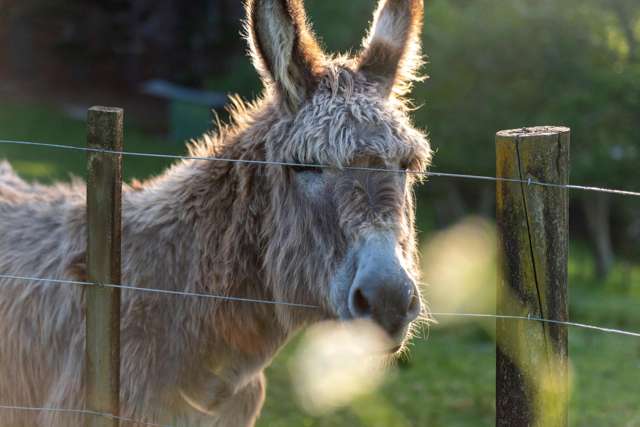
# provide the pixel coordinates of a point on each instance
(103, 109)
(532, 132)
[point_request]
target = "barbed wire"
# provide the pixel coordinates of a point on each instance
(309, 306)
(84, 412)
(320, 166)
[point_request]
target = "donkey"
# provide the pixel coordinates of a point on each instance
(340, 237)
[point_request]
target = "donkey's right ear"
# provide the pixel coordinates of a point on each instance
(283, 48)
(391, 55)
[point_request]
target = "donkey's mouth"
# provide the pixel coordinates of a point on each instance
(397, 342)
(395, 349)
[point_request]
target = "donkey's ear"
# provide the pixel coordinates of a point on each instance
(283, 48)
(391, 54)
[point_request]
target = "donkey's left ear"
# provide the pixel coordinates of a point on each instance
(283, 48)
(391, 55)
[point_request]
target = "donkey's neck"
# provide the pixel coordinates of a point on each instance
(197, 228)
(211, 211)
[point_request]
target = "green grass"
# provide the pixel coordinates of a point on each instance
(449, 377)
(42, 124)
(450, 381)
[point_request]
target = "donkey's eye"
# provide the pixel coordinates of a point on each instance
(303, 168)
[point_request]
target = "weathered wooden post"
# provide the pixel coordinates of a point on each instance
(102, 304)
(532, 221)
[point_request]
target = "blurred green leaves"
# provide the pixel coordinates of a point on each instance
(504, 64)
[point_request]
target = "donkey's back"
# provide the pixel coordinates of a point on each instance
(43, 236)
(41, 231)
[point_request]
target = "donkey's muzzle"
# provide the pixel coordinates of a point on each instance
(382, 290)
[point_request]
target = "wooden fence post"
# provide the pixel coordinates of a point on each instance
(532, 221)
(102, 304)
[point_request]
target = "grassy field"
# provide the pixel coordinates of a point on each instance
(42, 124)
(448, 377)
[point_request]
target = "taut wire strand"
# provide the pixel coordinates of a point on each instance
(311, 165)
(309, 306)
(539, 319)
(156, 291)
(85, 412)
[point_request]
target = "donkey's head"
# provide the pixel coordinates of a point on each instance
(341, 236)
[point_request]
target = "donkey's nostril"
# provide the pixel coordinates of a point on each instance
(361, 303)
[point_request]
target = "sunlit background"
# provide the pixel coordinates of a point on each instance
(493, 64)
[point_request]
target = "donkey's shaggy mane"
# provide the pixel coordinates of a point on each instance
(329, 129)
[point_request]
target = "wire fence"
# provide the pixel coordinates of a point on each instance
(320, 166)
(51, 281)
(83, 412)
(307, 306)
(156, 291)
